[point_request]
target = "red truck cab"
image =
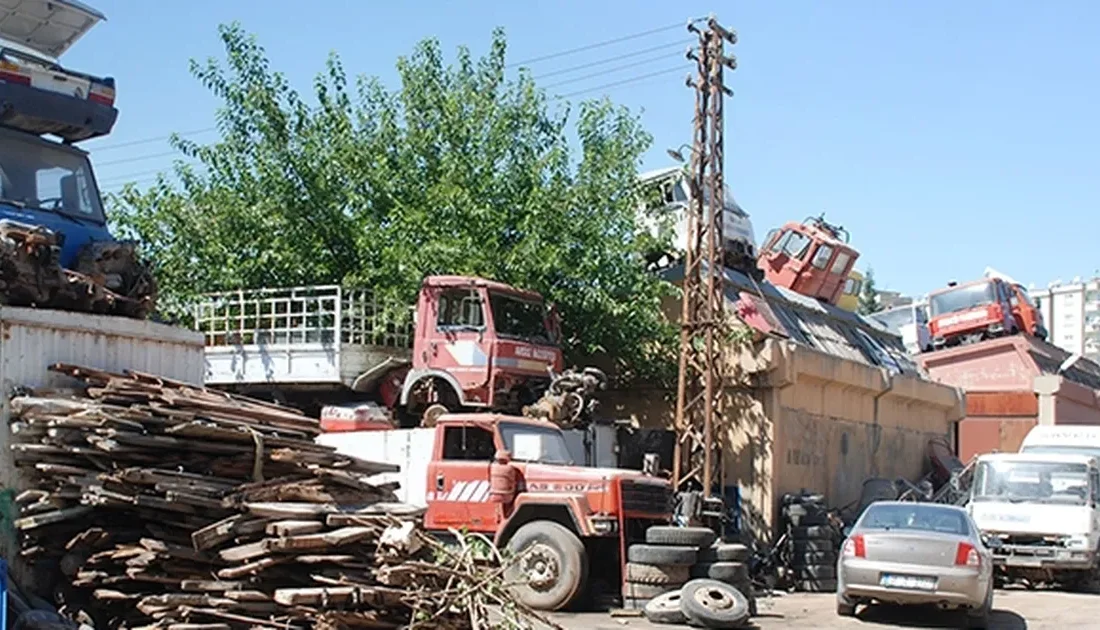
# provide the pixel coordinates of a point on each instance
(982, 309)
(513, 479)
(479, 344)
(812, 258)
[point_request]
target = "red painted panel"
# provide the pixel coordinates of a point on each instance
(998, 365)
(1002, 404)
(985, 435)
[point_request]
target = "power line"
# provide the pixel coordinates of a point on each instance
(154, 139)
(607, 71)
(610, 59)
(606, 42)
(618, 83)
(138, 158)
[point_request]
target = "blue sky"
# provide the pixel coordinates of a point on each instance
(945, 136)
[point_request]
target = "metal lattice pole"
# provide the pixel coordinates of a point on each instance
(700, 419)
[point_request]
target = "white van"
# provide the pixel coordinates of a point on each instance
(910, 322)
(1038, 512)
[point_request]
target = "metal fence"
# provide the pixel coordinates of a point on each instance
(302, 315)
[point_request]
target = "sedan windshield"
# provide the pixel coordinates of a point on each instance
(516, 318)
(529, 443)
(961, 299)
(36, 174)
(1031, 482)
(914, 517)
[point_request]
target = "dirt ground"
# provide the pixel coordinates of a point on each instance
(1015, 610)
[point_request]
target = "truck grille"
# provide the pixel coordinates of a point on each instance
(651, 498)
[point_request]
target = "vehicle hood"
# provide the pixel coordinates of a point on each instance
(1031, 518)
(76, 233)
(48, 27)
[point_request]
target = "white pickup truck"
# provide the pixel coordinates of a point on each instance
(1038, 508)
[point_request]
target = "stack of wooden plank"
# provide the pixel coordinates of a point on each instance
(161, 504)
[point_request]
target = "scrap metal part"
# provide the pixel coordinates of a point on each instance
(570, 399)
(109, 278)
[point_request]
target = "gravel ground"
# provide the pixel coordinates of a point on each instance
(1015, 610)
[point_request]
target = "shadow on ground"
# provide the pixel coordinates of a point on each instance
(931, 617)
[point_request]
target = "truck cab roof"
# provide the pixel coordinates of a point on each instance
(481, 283)
(47, 27)
(1059, 458)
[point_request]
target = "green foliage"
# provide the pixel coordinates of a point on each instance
(868, 294)
(460, 171)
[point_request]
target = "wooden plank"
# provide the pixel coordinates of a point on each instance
(293, 528)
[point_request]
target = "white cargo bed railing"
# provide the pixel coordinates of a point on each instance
(302, 315)
(320, 334)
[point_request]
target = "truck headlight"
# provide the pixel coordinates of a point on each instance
(604, 525)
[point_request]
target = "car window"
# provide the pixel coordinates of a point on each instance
(915, 517)
(822, 256)
(796, 245)
(841, 262)
(468, 443)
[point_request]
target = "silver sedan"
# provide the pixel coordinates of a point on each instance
(916, 553)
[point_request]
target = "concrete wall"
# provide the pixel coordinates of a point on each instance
(805, 419)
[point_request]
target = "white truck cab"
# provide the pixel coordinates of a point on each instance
(1038, 511)
(1070, 439)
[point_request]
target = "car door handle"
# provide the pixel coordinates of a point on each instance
(439, 482)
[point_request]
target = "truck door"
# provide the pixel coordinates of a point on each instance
(458, 479)
(456, 342)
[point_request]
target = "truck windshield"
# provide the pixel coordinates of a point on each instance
(961, 299)
(516, 318)
(527, 443)
(1031, 482)
(37, 174)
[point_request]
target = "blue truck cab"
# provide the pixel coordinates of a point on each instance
(52, 221)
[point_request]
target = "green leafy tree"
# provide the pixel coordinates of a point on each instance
(868, 294)
(460, 170)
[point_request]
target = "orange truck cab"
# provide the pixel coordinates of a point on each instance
(513, 479)
(812, 258)
(982, 309)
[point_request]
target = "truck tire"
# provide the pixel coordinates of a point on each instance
(549, 567)
(713, 604)
(665, 609)
(813, 532)
(814, 545)
(663, 555)
(724, 553)
(655, 574)
(815, 557)
(728, 572)
(815, 572)
(680, 536)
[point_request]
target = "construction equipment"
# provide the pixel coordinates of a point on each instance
(982, 309)
(812, 258)
(55, 248)
(701, 424)
(475, 344)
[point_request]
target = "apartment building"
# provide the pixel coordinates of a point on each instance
(1072, 315)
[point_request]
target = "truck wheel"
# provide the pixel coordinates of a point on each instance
(665, 609)
(663, 555)
(728, 572)
(732, 552)
(712, 604)
(548, 565)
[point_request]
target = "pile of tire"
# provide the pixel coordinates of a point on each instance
(814, 542)
(727, 563)
(701, 603)
(663, 563)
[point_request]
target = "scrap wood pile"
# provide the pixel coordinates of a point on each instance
(154, 503)
(107, 278)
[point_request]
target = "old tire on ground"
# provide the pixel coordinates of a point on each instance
(813, 532)
(680, 536)
(724, 553)
(550, 567)
(728, 572)
(632, 590)
(812, 545)
(656, 574)
(663, 555)
(713, 604)
(665, 609)
(815, 572)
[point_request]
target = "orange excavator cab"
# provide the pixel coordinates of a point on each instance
(812, 258)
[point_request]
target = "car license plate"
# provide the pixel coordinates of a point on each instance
(910, 582)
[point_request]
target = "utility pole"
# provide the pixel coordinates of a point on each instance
(701, 426)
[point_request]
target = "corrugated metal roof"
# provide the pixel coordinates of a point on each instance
(807, 321)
